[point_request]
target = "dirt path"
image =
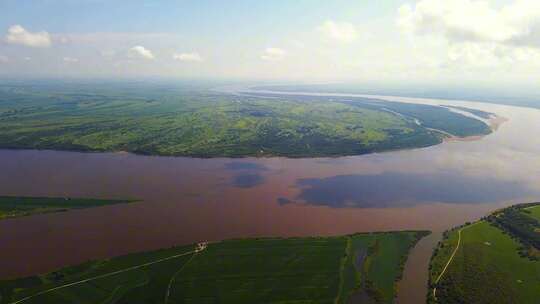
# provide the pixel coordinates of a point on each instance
(198, 249)
(450, 260)
(168, 293)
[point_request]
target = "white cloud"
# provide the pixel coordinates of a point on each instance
(19, 35)
(63, 39)
(71, 60)
(4, 59)
(517, 23)
(478, 34)
(140, 52)
(273, 54)
(339, 31)
(190, 57)
(490, 55)
(107, 53)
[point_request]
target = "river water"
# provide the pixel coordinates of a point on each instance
(184, 200)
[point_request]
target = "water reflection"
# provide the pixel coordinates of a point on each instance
(396, 189)
(250, 166)
(284, 201)
(246, 174)
(247, 180)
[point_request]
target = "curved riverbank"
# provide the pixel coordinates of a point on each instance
(433, 188)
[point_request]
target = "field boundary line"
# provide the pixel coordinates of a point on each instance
(167, 294)
(450, 259)
(106, 275)
(348, 248)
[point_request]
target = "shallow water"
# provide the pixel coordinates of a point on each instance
(184, 200)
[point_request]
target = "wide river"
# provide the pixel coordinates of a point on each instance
(184, 200)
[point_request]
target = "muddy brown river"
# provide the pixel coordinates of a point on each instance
(184, 200)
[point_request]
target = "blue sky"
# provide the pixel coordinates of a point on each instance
(206, 17)
(387, 41)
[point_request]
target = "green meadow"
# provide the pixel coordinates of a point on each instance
(293, 270)
(374, 264)
(534, 212)
(493, 263)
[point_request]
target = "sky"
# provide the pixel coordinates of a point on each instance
(386, 41)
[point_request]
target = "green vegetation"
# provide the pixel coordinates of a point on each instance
(518, 222)
(533, 212)
(374, 264)
(11, 206)
(433, 117)
(494, 263)
(294, 270)
(479, 113)
(181, 120)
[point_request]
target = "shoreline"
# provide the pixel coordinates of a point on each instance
(494, 123)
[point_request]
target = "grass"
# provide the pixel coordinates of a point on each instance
(186, 121)
(489, 266)
(264, 271)
(386, 264)
(534, 212)
(295, 270)
(377, 273)
(113, 289)
(12, 206)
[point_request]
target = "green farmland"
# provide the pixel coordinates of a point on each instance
(295, 270)
(11, 206)
(496, 261)
(178, 120)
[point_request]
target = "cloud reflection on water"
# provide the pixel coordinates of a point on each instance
(395, 189)
(246, 174)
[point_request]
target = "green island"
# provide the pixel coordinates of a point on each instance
(14, 206)
(264, 270)
(493, 260)
(187, 120)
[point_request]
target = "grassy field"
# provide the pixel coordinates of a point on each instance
(534, 212)
(181, 120)
(374, 265)
(489, 266)
(295, 270)
(11, 206)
